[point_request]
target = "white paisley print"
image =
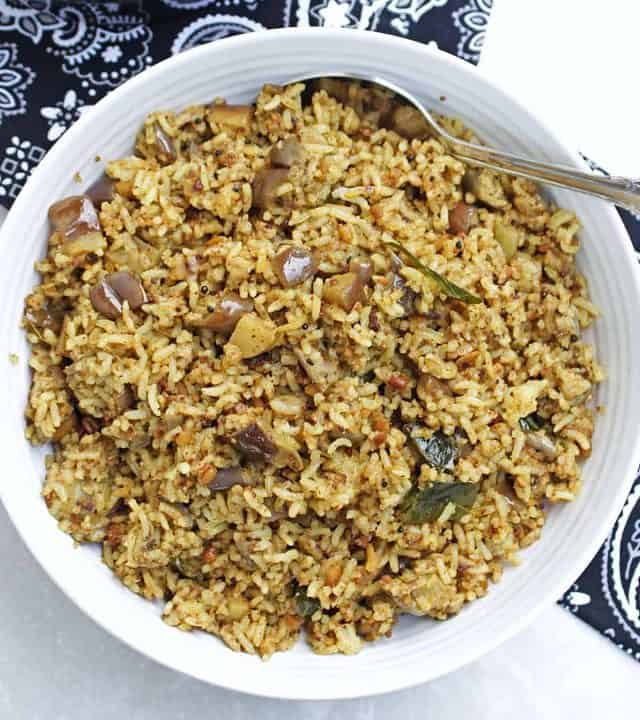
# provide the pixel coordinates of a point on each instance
(472, 21)
(401, 15)
(620, 571)
(199, 4)
(91, 29)
(607, 595)
(212, 27)
(14, 79)
(63, 114)
(31, 18)
(86, 36)
(18, 160)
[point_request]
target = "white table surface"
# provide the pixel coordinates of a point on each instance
(56, 664)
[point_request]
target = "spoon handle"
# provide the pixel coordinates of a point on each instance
(624, 192)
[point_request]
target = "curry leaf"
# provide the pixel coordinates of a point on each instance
(426, 505)
(305, 605)
(439, 451)
(531, 423)
(450, 289)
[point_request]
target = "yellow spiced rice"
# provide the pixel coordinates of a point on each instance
(329, 453)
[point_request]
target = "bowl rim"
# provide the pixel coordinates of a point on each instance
(473, 74)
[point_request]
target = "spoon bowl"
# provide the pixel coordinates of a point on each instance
(418, 121)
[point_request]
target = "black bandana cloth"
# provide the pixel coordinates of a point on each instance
(59, 58)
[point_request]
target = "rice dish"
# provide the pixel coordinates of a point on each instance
(303, 370)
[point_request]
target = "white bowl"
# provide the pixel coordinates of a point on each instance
(419, 649)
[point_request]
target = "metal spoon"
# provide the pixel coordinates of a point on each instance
(624, 192)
